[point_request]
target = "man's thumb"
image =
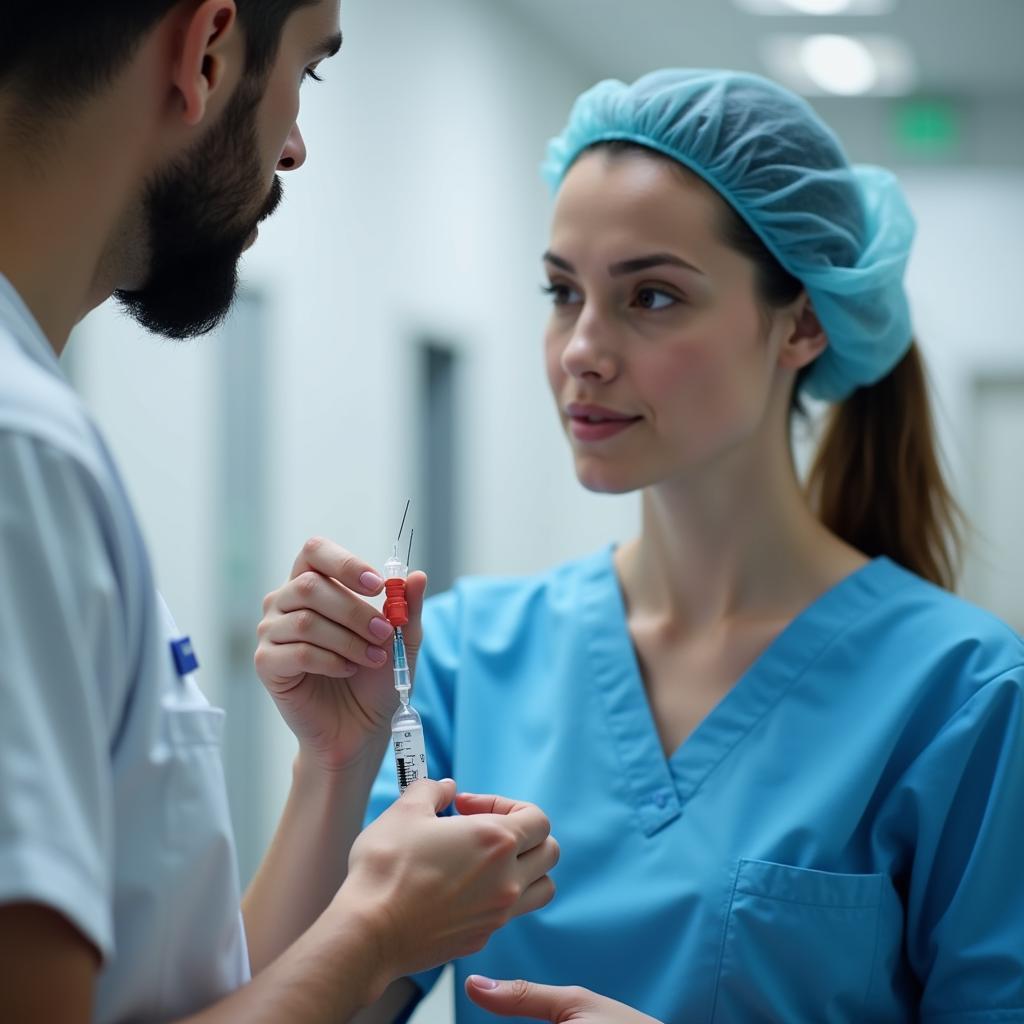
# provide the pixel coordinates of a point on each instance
(525, 999)
(438, 794)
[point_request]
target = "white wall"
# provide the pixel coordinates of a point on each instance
(965, 280)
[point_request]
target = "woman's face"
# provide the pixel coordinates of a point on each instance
(659, 355)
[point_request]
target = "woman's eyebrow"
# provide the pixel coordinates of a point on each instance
(655, 259)
(632, 266)
(557, 261)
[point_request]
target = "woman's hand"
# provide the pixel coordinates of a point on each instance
(324, 652)
(550, 1003)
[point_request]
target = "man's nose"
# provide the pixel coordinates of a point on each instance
(293, 156)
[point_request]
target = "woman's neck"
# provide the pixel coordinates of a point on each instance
(737, 544)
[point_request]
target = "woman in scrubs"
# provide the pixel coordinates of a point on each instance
(784, 763)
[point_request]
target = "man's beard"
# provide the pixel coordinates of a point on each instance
(200, 213)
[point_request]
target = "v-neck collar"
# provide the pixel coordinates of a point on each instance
(661, 786)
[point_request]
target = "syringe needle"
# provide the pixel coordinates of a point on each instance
(402, 527)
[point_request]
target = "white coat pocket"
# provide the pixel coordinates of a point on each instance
(198, 847)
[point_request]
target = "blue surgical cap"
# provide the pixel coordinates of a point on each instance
(843, 231)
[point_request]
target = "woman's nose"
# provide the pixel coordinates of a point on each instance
(588, 356)
(293, 156)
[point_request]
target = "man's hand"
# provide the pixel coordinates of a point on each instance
(430, 889)
(324, 652)
(550, 1003)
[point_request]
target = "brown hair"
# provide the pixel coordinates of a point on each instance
(877, 480)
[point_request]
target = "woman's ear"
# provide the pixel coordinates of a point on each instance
(804, 339)
(209, 38)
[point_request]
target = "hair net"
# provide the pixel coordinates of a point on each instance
(844, 231)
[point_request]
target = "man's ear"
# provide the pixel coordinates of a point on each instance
(805, 339)
(207, 43)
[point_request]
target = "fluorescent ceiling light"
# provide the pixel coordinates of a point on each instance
(840, 65)
(816, 7)
(821, 6)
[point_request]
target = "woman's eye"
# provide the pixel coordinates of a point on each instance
(652, 298)
(311, 73)
(561, 294)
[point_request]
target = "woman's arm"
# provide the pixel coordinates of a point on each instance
(308, 859)
(322, 656)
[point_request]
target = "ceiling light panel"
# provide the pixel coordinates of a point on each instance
(816, 7)
(840, 65)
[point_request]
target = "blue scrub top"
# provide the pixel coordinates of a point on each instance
(841, 839)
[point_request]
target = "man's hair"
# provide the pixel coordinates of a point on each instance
(55, 54)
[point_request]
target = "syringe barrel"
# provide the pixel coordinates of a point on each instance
(410, 750)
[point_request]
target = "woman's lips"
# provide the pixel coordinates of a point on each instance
(582, 430)
(596, 423)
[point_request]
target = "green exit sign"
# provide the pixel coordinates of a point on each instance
(926, 127)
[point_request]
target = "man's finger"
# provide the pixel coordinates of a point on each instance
(431, 792)
(538, 895)
(487, 803)
(329, 559)
(525, 999)
(530, 822)
(538, 861)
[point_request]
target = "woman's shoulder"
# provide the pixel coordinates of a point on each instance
(915, 622)
(921, 602)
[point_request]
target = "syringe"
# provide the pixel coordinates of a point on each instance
(406, 727)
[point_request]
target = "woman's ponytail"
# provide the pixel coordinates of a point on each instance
(877, 481)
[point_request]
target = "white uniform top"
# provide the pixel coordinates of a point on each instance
(113, 809)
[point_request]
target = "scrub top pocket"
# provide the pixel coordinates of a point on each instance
(799, 945)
